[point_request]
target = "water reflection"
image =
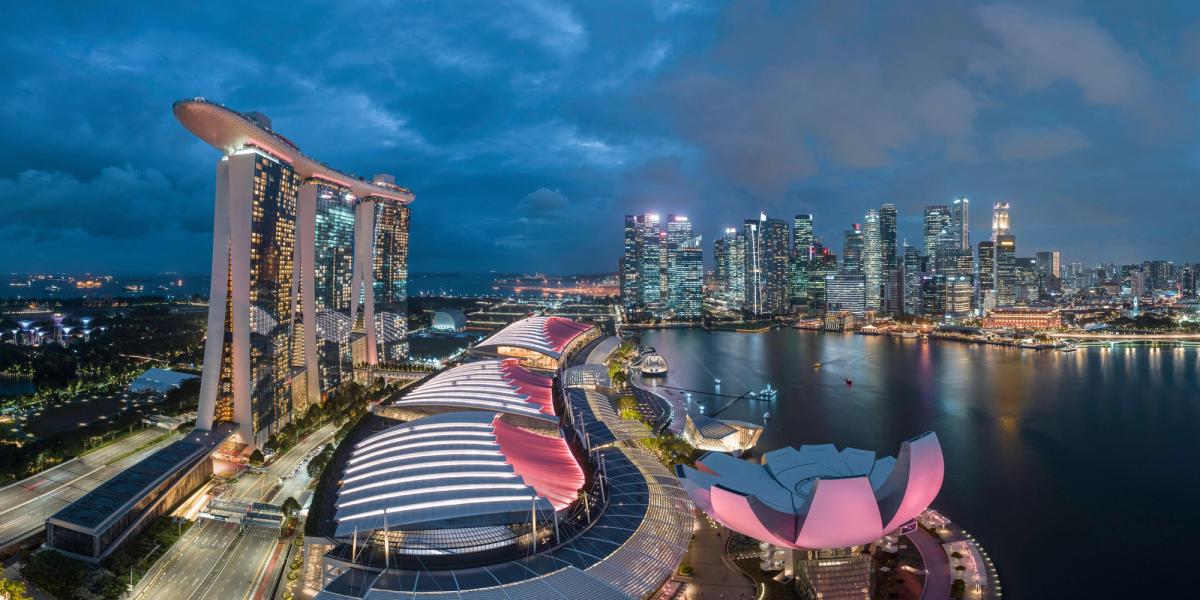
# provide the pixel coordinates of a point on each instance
(1049, 454)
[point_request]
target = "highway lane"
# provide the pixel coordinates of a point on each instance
(256, 487)
(181, 572)
(237, 579)
(24, 505)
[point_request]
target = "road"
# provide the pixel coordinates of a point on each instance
(216, 560)
(24, 505)
(257, 487)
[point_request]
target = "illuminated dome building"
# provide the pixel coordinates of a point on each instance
(653, 363)
(538, 342)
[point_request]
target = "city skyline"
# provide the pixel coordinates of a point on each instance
(1094, 146)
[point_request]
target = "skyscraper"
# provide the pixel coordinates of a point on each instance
(803, 236)
(887, 236)
(912, 279)
(846, 291)
(1048, 263)
(822, 265)
(685, 268)
(650, 262)
(852, 249)
(960, 224)
(752, 244)
(1006, 270)
(985, 276)
(936, 229)
(1000, 223)
(777, 257)
(731, 280)
(630, 267)
(872, 260)
(251, 374)
(389, 229)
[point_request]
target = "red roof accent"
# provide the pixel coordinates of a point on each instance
(545, 463)
(538, 388)
(560, 331)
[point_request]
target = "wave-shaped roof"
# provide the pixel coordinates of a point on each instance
(490, 385)
(228, 131)
(817, 497)
(458, 469)
(547, 335)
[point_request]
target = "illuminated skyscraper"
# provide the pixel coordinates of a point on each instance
(852, 249)
(936, 229)
(912, 279)
(776, 258)
(960, 224)
(985, 276)
(730, 258)
(822, 265)
(685, 268)
(630, 267)
(252, 375)
(325, 232)
(752, 244)
(389, 232)
(872, 260)
(1006, 270)
(803, 237)
(650, 262)
(1000, 223)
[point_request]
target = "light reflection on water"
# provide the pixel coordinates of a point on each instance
(1049, 454)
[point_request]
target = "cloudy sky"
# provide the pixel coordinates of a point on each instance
(527, 128)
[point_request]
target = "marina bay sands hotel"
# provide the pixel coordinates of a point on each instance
(309, 270)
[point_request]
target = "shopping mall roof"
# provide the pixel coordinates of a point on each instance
(547, 335)
(488, 385)
(458, 469)
(818, 497)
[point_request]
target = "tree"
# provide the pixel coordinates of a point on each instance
(13, 590)
(290, 507)
(257, 458)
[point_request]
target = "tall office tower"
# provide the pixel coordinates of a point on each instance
(720, 277)
(846, 291)
(734, 286)
(1006, 270)
(325, 234)
(803, 236)
(250, 375)
(1048, 263)
(1027, 280)
(872, 260)
(959, 293)
(887, 236)
(798, 281)
(936, 228)
(985, 276)
(823, 264)
(1000, 222)
(1159, 275)
(679, 232)
(687, 279)
(630, 291)
(776, 251)
(650, 262)
(752, 244)
(933, 294)
(852, 249)
(912, 279)
(960, 224)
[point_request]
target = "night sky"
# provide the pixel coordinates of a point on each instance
(527, 129)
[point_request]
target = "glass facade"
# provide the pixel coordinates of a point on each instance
(391, 277)
(333, 264)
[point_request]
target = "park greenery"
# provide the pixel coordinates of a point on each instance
(13, 590)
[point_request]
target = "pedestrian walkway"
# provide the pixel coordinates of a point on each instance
(715, 576)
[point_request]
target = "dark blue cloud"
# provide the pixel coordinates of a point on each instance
(527, 128)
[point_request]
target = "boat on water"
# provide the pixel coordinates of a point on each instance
(1068, 348)
(909, 335)
(768, 393)
(818, 365)
(766, 415)
(716, 382)
(849, 381)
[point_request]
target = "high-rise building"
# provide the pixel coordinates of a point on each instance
(803, 239)
(731, 267)
(887, 236)
(985, 276)
(752, 238)
(686, 288)
(846, 291)
(852, 249)
(913, 270)
(389, 233)
(252, 375)
(1000, 222)
(872, 260)
(1026, 289)
(960, 224)
(823, 264)
(325, 233)
(650, 263)
(629, 264)
(1006, 270)
(959, 292)
(936, 230)
(1048, 263)
(933, 294)
(776, 257)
